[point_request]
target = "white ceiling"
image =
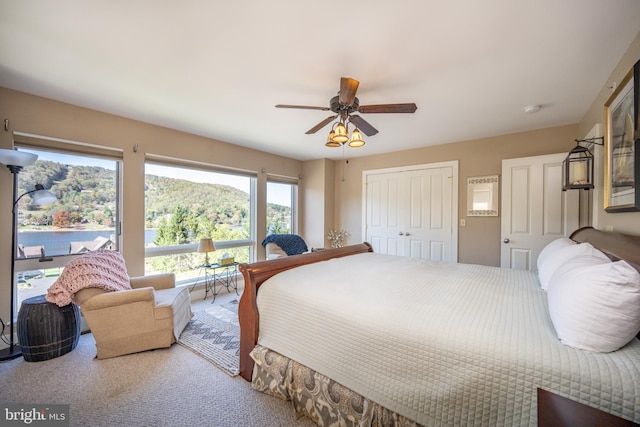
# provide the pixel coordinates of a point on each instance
(217, 69)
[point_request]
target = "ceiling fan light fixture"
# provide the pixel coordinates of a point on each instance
(341, 135)
(343, 106)
(330, 141)
(356, 139)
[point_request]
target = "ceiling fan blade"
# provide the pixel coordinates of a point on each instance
(348, 89)
(363, 125)
(320, 125)
(303, 107)
(388, 108)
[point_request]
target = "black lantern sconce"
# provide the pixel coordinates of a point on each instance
(578, 166)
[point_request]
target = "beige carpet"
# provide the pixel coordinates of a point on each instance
(167, 387)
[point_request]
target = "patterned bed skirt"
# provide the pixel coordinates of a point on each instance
(316, 396)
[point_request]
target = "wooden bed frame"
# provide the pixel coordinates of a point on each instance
(615, 245)
(255, 274)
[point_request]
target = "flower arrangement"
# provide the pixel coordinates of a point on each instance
(337, 238)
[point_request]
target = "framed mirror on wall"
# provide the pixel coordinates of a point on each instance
(622, 143)
(482, 196)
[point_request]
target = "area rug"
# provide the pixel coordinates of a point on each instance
(214, 334)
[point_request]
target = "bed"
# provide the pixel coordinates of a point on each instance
(357, 338)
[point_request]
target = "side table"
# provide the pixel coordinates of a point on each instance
(224, 276)
(46, 331)
(558, 411)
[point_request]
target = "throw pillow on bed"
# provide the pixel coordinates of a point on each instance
(555, 245)
(595, 305)
(558, 253)
(547, 254)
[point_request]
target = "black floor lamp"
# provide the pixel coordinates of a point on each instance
(15, 161)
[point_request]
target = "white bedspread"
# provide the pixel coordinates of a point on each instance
(439, 343)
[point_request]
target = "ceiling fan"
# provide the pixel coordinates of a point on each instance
(344, 105)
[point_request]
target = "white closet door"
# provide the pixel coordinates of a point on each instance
(385, 212)
(409, 213)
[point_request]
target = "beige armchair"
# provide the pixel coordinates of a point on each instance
(150, 315)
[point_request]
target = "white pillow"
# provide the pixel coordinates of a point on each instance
(552, 247)
(559, 255)
(595, 306)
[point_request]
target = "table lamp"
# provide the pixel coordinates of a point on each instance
(206, 246)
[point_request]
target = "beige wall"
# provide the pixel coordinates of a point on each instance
(479, 240)
(628, 222)
(40, 116)
(317, 201)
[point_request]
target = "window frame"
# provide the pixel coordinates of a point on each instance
(151, 252)
(61, 146)
(277, 179)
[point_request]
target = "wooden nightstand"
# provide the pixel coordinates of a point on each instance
(558, 411)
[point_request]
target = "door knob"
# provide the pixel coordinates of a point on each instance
(506, 240)
(407, 234)
(401, 234)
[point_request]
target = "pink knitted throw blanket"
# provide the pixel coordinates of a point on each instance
(98, 269)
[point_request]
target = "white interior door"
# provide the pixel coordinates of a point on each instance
(427, 222)
(384, 212)
(411, 213)
(535, 210)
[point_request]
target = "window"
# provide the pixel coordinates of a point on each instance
(84, 218)
(281, 202)
(184, 204)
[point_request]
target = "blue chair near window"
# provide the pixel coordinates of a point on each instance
(279, 245)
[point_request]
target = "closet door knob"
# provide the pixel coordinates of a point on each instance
(401, 234)
(407, 234)
(506, 240)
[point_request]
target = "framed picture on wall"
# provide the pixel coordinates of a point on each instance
(622, 146)
(482, 196)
